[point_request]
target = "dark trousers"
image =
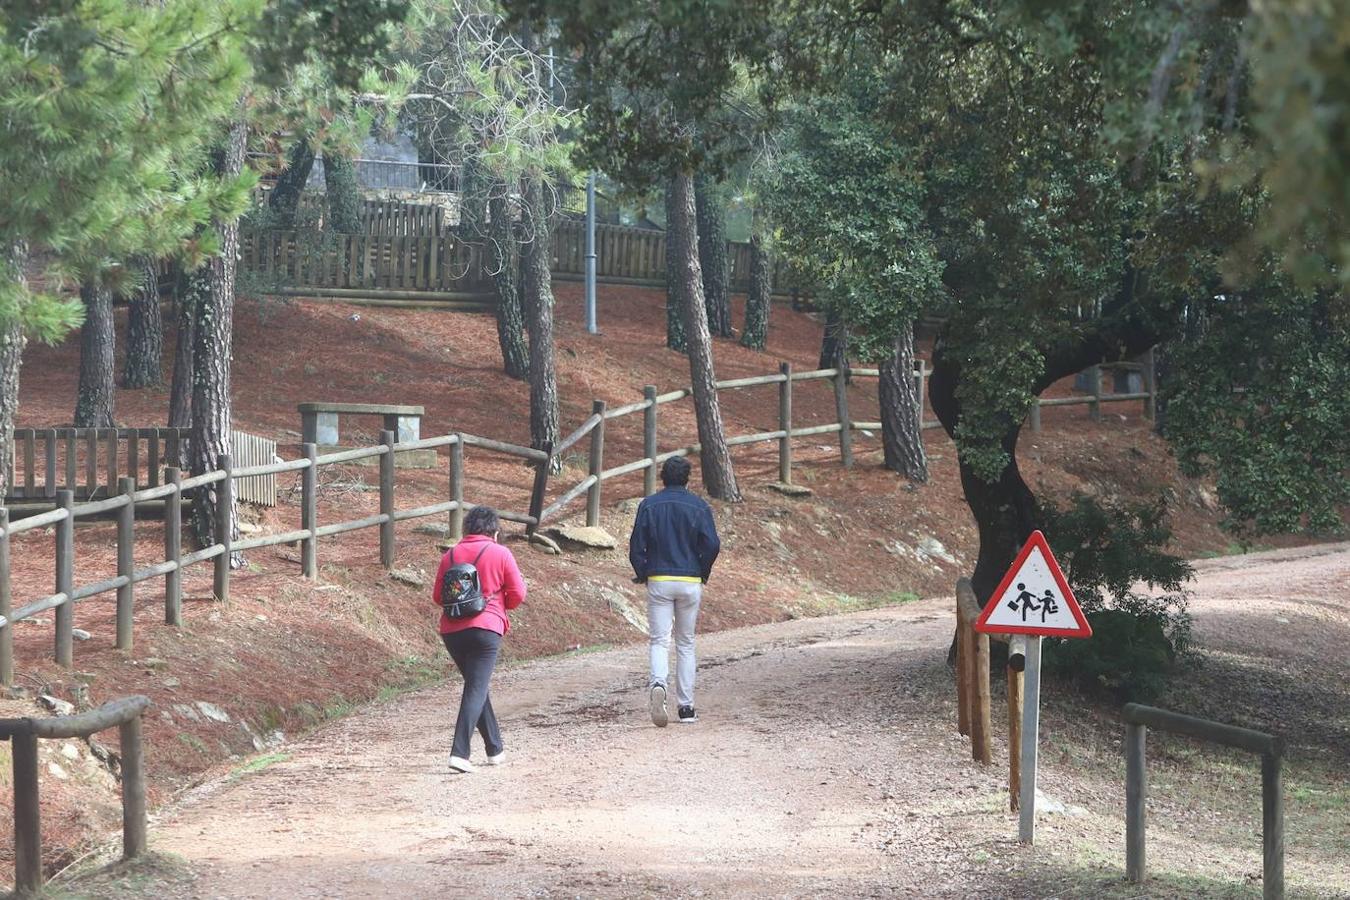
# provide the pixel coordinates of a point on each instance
(474, 651)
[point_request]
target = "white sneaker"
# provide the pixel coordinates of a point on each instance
(497, 760)
(656, 702)
(460, 765)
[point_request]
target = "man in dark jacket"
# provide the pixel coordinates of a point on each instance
(672, 549)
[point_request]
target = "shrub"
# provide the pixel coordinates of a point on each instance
(1140, 639)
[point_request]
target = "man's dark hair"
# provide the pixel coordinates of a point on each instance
(482, 520)
(675, 472)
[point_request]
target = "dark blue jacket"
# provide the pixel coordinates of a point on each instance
(674, 534)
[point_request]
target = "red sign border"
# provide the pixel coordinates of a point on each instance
(1036, 540)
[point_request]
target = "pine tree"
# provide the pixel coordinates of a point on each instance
(143, 365)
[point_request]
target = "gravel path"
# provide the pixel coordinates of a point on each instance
(825, 763)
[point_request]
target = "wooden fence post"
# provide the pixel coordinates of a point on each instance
(1034, 416)
(1135, 793)
(1272, 827)
(922, 376)
(65, 580)
(27, 817)
(133, 789)
(1014, 738)
(457, 488)
(173, 547)
(1151, 384)
(649, 440)
(224, 535)
(962, 673)
(1095, 382)
(597, 464)
(841, 407)
(309, 513)
(785, 423)
(541, 470)
(981, 724)
(388, 438)
(126, 561)
(6, 599)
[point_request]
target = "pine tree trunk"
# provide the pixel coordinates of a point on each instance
(212, 352)
(143, 365)
(712, 255)
(285, 197)
(538, 292)
(12, 341)
(834, 343)
(901, 439)
(188, 287)
(719, 478)
(343, 193)
(756, 334)
(676, 337)
(503, 249)
(98, 341)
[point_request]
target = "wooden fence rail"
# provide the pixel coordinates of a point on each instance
(173, 489)
(123, 714)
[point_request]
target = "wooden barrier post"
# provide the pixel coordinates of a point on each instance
(1272, 827)
(785, 423)
(1095, 382)
(841, 408)
(962, 673)
(126, 561)
(1136, 790)
(7, 632)
(65, 580)
(27, 817)
(1014, 738)
(981, 722)
(133, 789)
(541, 470)
(649, 440)
(173, 547)
(1034, 416)
(457, 488)
(309, 514)
(388, 438)
(224, 535)
(1151, 384)
(597, 464)
(922, 376)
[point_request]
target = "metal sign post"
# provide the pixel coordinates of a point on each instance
(1031, 725)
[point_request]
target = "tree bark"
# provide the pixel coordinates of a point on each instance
(212, 354)
(676, 337)
(719, 478)
(12, 342)
(98, 341)
(285, 196)
(756, 333)
(901, 438)
(539, 307)
(143, 365)
(834, 342)
(188, 287)
(712, 255)
(503, 248)
(343, 193)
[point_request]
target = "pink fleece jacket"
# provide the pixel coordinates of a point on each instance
(498, 576)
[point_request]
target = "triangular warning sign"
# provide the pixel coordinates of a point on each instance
(1034, 598)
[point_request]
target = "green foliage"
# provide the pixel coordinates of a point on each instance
(1139, 639)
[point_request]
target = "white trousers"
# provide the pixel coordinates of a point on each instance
(673, 603)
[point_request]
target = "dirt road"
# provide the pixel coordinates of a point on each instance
(825, 763)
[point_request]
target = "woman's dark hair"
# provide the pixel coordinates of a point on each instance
(675, 472)
(482, 520)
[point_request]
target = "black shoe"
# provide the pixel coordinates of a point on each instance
(687, 715)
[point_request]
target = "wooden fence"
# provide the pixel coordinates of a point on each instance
(387, 217)
(173, 489)
(90, 462)
(396, 255)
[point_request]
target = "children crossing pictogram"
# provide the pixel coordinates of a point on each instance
(1034, 598)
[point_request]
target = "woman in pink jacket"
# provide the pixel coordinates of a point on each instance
(474, 642)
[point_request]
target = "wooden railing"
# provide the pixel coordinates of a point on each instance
(125, 715)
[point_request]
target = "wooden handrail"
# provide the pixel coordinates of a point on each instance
(109, 715)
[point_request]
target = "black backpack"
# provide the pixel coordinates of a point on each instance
(461, 594)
